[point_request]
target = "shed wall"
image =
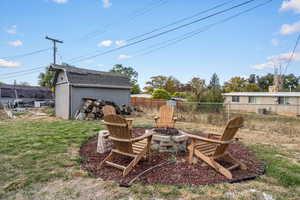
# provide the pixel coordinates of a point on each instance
(62, 101)
(119, 96)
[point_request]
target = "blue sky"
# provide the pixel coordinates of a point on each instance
(245, 45)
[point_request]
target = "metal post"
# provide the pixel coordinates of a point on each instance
(228, 112)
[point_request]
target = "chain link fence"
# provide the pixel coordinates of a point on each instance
(267, 117)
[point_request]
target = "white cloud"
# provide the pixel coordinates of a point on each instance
(6, 63)
(275, 42)
(16, 43)
(277, 59)
(105, 43)
(123, 57)
(284, 57)
(60, 1)
(12, 30)
(263, 66)
(120, 43)
(293, 5)
(288, 29)
(106, 3)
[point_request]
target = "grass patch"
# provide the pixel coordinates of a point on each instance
(278, 166)
(33, 152)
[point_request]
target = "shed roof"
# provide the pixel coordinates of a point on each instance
(92, 78)
(264, 94)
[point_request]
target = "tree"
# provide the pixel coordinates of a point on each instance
(290, 81)
(251, 87)
(161, 94)
(130, 73)
(170, 84)
(239, 84)
(198, 87)
(265, 81)
(135, 89)
(46, 78)
(214, 82)
(235, 84)
(214, 94)
(252, 78)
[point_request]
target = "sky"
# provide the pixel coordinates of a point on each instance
(247, 44)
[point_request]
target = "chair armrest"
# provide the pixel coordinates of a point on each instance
(146, 135)
(208, 139)
(156, 117)
(175, 119)
(129, 119)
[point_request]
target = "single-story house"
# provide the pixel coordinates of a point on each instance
(12, 93)
(73, 85)
(287, 103)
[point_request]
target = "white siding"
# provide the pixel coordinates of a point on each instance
(62, 101)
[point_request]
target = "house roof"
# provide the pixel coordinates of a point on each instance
(264, 94)
(24, 91)
(91, 78)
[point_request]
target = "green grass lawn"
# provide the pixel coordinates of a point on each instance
(32, 152)
(38, 152)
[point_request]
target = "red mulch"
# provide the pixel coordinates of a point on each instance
(178, 173)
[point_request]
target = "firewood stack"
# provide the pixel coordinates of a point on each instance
(92, 109)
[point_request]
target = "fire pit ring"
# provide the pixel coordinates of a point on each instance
(168, 140)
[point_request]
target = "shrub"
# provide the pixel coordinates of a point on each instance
(161, 94)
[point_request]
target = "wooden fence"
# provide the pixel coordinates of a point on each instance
(148, 103)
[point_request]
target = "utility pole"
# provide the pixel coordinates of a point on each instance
(54, 47)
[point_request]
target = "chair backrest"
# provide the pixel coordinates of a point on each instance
(230, 131)
(166, 113)
(119, 132)
(108, 110)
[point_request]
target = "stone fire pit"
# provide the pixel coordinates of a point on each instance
(168, 140)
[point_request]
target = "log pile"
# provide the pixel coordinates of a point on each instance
(92, 109)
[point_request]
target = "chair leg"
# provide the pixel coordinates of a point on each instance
(105, 159)
(191, 151)
(230, 158)
(211, 162)
(134, 162)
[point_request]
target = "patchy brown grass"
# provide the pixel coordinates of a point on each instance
(32, 170)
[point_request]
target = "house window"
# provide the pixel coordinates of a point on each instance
(283, 100)
(235, 99)
(252, 100)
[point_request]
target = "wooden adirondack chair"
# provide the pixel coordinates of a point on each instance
(215, 147)
(110, 110)
(124, 144)
(166, 117)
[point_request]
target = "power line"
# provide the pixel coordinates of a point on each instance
(168, 25)
(292, 55)
(23, 74)
(20, 72)
(198, 31)
(147, 10)
(167, 31)
(134, 15)
(182, 37)
(180, 20)
(26, 54)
